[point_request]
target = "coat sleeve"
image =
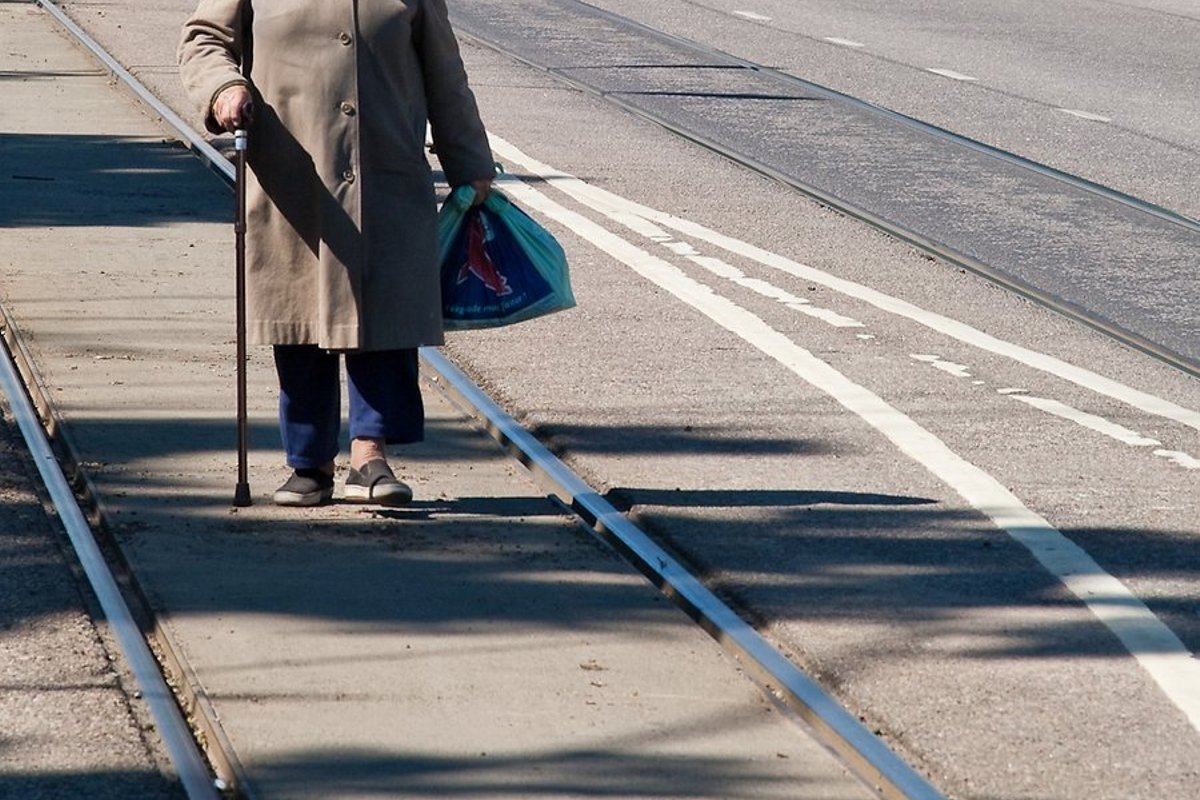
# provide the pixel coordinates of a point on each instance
(458, 132)
(211, 50)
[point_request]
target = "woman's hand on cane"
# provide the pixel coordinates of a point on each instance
(234, 108)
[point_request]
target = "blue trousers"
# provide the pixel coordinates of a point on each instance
(385, 400)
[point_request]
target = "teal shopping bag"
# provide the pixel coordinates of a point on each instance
(498, 266)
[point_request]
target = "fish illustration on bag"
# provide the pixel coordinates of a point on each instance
(479, 262)
(520, 270)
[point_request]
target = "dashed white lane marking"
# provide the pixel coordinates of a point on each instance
(1088, 115)
(844, 42)
(1153, 644)
(1063, 411)
(629, 213)
(949, 73)
(726, 270)
(957, 370)
(1090, 421)
(1181, 459)
(750, 15)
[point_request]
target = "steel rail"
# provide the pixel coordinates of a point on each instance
(863, 752)
(193, 772)
(930, 246)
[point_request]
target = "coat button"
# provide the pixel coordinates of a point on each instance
(348, 109)
(345, 38)
(348, 176)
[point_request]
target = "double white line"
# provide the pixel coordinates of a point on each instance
(1159, 651)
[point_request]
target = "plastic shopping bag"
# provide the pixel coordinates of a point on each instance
(498, 266)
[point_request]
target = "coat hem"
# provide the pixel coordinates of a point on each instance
(342, 339)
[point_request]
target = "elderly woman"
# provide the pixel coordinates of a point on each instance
(341, 240)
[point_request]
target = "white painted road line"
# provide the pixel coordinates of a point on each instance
(1178, 458)
(723, 269)
(732, 273)
(750, 15)
(957, 370)
(844, 42)
(949, 73)
(1155, 646)
(1090, 421)
(1085, 115)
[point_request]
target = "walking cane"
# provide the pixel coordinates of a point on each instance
(241, 495)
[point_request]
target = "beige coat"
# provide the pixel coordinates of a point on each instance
(341, 241)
